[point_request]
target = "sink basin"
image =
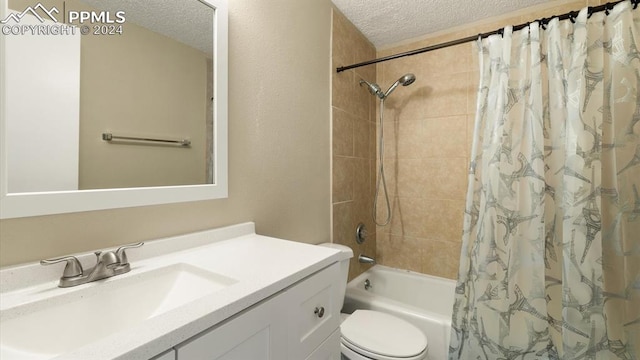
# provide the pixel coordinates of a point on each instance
(62, 323)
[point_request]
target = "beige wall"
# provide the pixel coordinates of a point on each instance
(279, 162)
(118, 95)
(353, 141)
(428, 131)
(141, 84)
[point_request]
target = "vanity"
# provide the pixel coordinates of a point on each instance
(225, 293)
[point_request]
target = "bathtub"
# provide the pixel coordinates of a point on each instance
(423, 300)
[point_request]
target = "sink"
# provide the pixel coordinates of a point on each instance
(62, 323)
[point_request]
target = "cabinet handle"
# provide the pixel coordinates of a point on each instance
(319, 311)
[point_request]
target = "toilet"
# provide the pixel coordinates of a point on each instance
(374, 335)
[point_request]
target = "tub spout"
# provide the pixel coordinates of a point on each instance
(366, 260)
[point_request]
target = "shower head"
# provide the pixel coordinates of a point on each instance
(405, 80)
(374, 89)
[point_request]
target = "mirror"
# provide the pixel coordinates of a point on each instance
(111, 103)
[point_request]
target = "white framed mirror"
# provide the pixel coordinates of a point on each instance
(110, 103)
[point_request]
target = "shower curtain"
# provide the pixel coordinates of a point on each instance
(550, 257)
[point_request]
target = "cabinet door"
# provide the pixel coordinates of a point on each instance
(329, 350)
(256, 334)
(168, 355)
(312, 311)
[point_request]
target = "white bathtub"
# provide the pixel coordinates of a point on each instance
(425, 301)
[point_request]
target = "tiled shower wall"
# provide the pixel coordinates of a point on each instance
(353, 141)
(428, 130)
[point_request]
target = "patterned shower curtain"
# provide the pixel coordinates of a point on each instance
(550, 258)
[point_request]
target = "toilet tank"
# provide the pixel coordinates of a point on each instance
(346, 254)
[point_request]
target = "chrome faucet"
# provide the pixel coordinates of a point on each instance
(364, 259)
(108, 264)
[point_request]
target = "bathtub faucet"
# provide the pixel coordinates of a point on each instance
(365, 259)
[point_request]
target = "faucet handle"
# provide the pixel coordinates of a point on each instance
(72, 269)
(122, 255)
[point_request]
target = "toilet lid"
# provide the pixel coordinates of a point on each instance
(383, 334)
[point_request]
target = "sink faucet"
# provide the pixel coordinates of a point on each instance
(108, 264)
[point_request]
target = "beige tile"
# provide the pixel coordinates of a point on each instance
(394, 69)
(342, 52)
(367, 73)
(362, 214)
(342, 230)
(470, 129)
(342, 133)
(363, 49)
(381, 211)
(441, 258)
(401, 252)
(343, 176)
(386, 52)
(472, 91)
(346, 216)
(368, 248)
(445, 95)
(445, 220)
(442, 178)
(418, 183)
(404, 139)
(474, 51)
(404, 178)
(425, 218)
(389, 133)
(350, 46)
(391, 171)
(374, 116)
(406, 102)
(342, 221)
(361, 99)
(373, 140)
(342, 90)
(445, 137)
(409, 216)
(449, 60)
(361, 179)
(349, 96)
(362, 136)
(373, 168)
(411, 178)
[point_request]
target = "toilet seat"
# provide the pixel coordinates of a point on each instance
(381, 336)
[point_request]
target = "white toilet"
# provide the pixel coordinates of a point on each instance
(368, 334)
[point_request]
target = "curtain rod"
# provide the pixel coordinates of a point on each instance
(570, 15)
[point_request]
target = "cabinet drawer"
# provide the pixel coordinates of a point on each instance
(313, 313)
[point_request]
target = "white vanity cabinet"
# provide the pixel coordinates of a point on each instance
(169, 355)
(300, 322)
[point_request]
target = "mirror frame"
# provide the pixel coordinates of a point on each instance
(15, 205)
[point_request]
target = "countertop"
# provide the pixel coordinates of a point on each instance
(261, 265)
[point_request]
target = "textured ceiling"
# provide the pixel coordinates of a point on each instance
(187, 21)
(388, 22)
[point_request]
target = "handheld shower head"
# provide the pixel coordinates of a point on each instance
(374, 89)
(405, 80)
